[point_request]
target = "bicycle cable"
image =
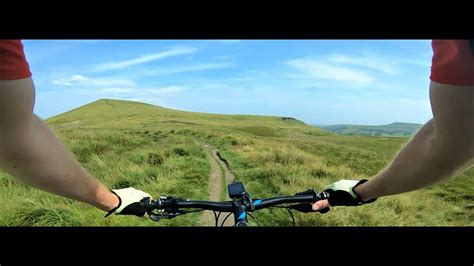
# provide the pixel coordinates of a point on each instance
(288, 209)
(222, 225)
(254, 219)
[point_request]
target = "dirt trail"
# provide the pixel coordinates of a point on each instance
(216, 185)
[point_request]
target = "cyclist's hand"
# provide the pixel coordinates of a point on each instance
(129, 202)
(341, 193)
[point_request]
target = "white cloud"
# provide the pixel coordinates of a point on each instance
(378, 63)
(70, 80)
(166, 90)
(386, 64)
(175, 70)
(139, 93)
(135, 99)
(418, 62)
(324, 71)
(80, 80)
(118, 90)
(143, 59)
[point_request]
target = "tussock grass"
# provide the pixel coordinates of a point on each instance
(157, 150)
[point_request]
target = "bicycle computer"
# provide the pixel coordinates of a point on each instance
(236, 190)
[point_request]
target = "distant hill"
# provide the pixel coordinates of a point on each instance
(119, 114)
(390, 130)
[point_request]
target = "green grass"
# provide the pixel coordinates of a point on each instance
(268, 168)
(261, 131)
(157, 150)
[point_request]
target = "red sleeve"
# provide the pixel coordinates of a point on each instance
(453, 62)
(13, 64)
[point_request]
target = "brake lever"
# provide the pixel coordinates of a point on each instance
(166, 213)
(156, 217)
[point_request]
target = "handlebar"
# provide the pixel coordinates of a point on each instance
(170, 207)
(228, 206)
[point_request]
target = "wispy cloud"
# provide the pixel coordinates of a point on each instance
(118, 90)
(318, 69)
(143, 92)
(166, 90)
(418, 62)
(374, 62)
(181, 69)
(143, 59)
(382, 63)
(80, 80)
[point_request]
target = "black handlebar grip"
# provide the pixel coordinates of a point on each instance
(307, 207)
(324, 210)
(145, 203)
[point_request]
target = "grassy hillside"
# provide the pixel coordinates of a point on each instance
(390, 130)
(116, 114)
(161, 151)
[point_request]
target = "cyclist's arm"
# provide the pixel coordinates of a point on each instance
(442, 148)
(30, 151)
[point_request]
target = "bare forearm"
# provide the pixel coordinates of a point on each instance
(421, 163)
(30, 151)
(442, 148)
(40, 160)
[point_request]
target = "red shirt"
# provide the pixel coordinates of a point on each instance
(453, 62)
(13, 64)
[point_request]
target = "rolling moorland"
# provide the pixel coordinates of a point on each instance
(391, 130)
(169, 152)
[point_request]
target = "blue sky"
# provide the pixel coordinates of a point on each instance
(318, 81)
